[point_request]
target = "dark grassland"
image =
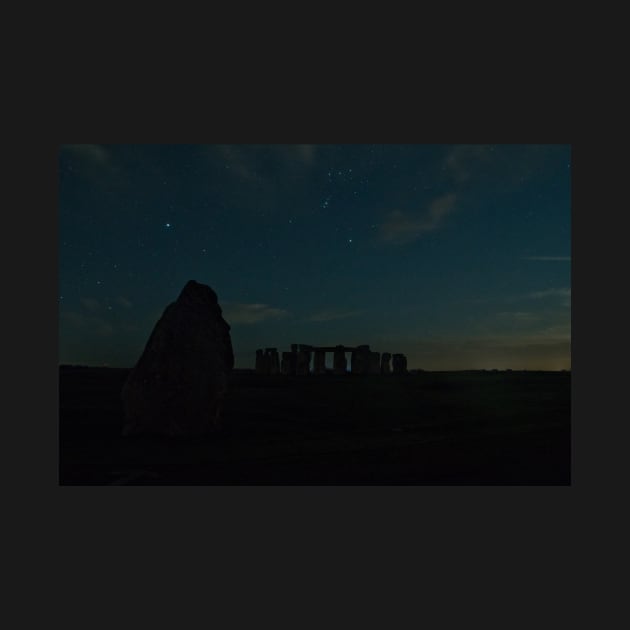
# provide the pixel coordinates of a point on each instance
(426, 428)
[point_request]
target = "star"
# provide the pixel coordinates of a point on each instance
(168, 225)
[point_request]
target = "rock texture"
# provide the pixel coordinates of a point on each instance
(177, 386)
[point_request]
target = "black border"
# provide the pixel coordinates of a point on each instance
(495, 542)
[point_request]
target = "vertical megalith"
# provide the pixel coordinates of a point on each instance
(272, 361)
(360, 359)
(179, 381)
(319, 362)
(399, 364)
(285, 363)
(303, 362)
(374, 363)
(340, 364)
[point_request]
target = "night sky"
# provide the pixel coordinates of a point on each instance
(456, 255)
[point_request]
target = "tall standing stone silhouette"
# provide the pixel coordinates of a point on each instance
(399, 363)
(340, 363)
(360, 360)
(319, 362)
(177, 385)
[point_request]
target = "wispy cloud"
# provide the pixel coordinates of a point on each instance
(462, 160)
(239, 313)
(249, 162)
(237, 160)
(536, 295)
(93, 152)
(123, 301)
(400, 227)
(549, 258)
(90, 303)
(331, 314)
(90, 324)
(520, 317)
(304, 152)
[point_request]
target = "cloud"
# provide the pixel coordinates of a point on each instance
(236, 161)
(462, 159)
(249, 162)
(536, 295)
(239, 313)
(519, 316)
(90, 303)
(400, 227)
(331, 314)
(93, 152)
(123, 301)
(549, 258)
(92, 325)
(305, 152)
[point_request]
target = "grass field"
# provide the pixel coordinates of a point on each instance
(426, 428)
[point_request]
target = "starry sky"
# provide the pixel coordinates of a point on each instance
(458, 256)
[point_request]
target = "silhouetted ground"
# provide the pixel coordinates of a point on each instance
(434, 428)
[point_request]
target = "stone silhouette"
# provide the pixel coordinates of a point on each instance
(340, 363)
(360, 359)
(374, 363)
(303, 362)
(287, 365)
(272, 363)
(399, 364)
(298, 361)
(319, 362)
(177, 385)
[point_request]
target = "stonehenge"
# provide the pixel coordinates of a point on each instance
(298, 361)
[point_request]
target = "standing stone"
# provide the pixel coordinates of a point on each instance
(303, 362)
(374, 363)
(319, 362)
(340, 364)
(360, 360)
(179, 381)
(272, 361)
(399, 363)
(385, 359)
(286, 363)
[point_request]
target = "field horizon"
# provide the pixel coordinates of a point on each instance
(464, 427)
